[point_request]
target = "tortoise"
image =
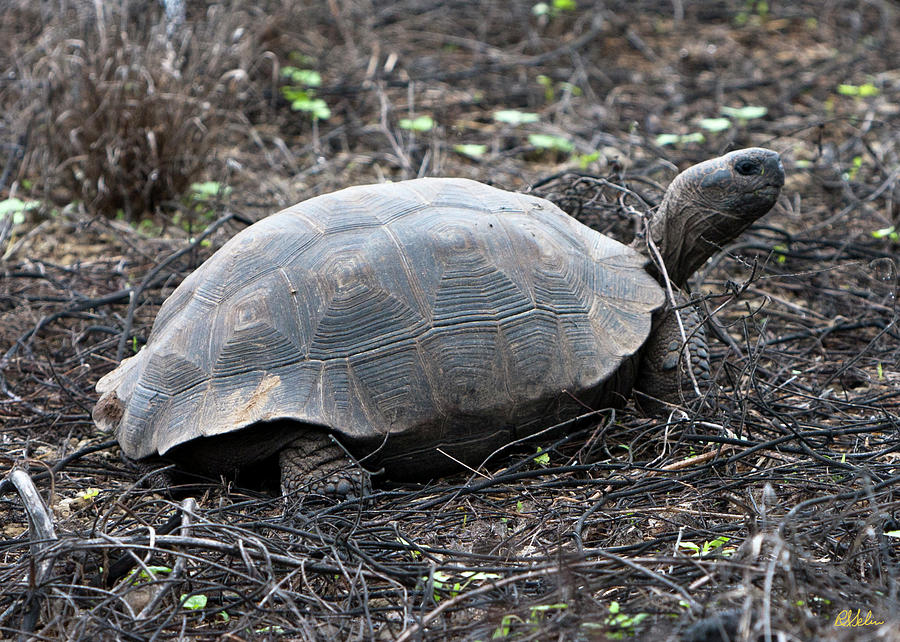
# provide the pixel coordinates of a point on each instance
(419, 325)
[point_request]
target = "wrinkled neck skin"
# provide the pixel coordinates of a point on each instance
(688, 230)
(687, 233)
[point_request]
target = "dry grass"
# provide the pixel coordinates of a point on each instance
(124, 108)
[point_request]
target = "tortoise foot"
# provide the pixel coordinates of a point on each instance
(316, 464)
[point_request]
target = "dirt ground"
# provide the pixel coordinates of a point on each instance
(133, 144)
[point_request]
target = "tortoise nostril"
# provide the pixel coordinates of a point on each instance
(775, 170)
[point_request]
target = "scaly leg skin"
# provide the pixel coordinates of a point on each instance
(663, 378)
(157, 475)
(315, 463)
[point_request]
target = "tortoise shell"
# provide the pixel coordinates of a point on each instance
(422, 319)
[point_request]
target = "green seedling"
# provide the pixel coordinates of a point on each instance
(201, 200)
(622, 621)
(419, 124)
(747, 112)
(780, 252)
(88, 493)
(550, 87)
(446, 583)
(715, 125)
(193, 602)
(755, 11)
(553, 8)
(16, 209)
(301, 93)
(542, 459)
(471, 150)
(709, 547)
(866, 90)
(887, 233)
(550, 142)
(536, 613)
(584, 160)
(680, 139)
(208, 191)
(515, 117)
(505, 626)
(851, 173)
(138, 576)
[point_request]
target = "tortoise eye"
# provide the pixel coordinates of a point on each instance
(747, 167)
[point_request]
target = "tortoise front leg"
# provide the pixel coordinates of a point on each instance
(316, 463)
(663, 376)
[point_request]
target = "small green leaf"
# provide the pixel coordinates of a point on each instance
(715, 124)
(879, 369)
(16, 208)
(681, 139)
(505, 626)
(193, 602)
(547, 83)
(301, 58)
(307, 77)
(295, 95)
(542, 608)
(894, 534)
(584, 160)
(316, 107)
(564, 5)
(548, 141)
(88, 493)
(519, 506)
(575, 90)
(884, 232)
(208, 190)
(419, 124)
(690, 546)
(515, 117)
(747, 112)
(863, 91)
(137, 576)
(543, 459)
(867, 90)
(471, 150)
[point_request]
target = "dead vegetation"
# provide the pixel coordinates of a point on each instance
(774, 509)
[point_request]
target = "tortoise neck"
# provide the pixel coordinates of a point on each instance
(687, 233)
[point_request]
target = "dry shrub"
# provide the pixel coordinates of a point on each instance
(125, 105)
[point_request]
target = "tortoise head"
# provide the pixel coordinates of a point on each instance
(710, 204)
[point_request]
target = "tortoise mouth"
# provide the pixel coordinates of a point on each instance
(769, 191)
